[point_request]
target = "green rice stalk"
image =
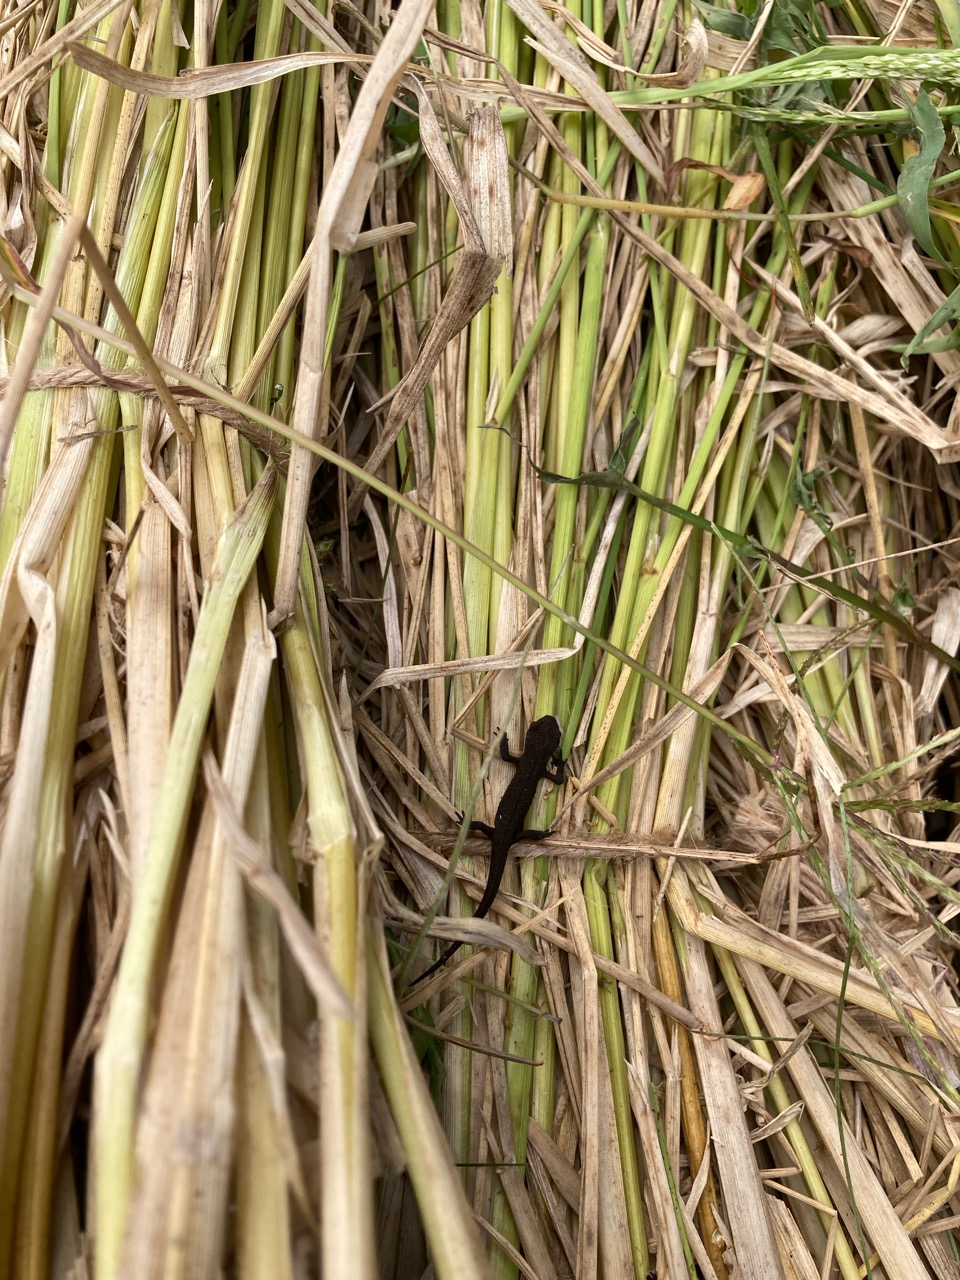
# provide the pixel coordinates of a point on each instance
(283, 367)
(150, 642)
(66, 638)
(263, 1210)
(448, 1220)
(568, 420)
(569, 376)
(31, 413)
(571, 257)
(31, 447)
(32, 1240)
(488, 523)
(822, 687)
(179, 1207)
(267, 44)
(339, 898)
(222, 140)
(171, 143)
(339, 904)
(272, 253)
(482, 502)
(54, 148)
(31, 1250)
(283, 228)
(263, 1158)
(688, 746)
(693, 250)
(124, 1039)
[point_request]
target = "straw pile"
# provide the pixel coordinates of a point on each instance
(374, 383)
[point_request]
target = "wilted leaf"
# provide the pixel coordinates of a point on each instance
(744, 191)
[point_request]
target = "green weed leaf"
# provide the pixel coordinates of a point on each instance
(948, 310)
(913, 185)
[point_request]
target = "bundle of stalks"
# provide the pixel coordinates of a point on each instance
(375, 382)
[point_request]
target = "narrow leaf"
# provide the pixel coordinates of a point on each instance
(913, 185)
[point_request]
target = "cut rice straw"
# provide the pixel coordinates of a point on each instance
(379, 380)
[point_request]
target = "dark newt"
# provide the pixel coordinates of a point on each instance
(539, 750)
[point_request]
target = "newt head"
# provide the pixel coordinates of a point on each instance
(543, 736)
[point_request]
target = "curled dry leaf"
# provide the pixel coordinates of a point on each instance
(696, 52)
(746, 188)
